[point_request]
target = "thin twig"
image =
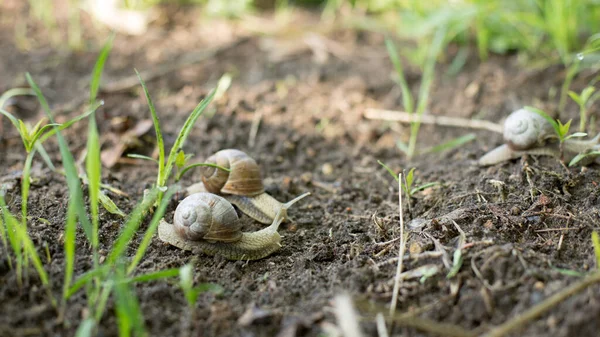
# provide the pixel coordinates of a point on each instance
(405, 117)
(254, 128)
(520, 321)
(400, 253)
(381, 329)
(346, 316)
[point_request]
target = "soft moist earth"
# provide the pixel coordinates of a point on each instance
(523, 222)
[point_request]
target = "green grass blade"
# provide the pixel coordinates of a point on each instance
(546, 116)
(581, 156)
(29, 250)
(84, 279)
(407, 99)
(158, 214)
(14, 92)
(427, 79)
(25, 183)
(75, 191)
(98, 68)
(131, 226)
(102, 300)
(451, 144)
(66, 124)
(596, 244)
(184, 133)
(109, 205)
(388, 169)
(13, 119)
(129, 314)
(86, 328)
(159, 137)
(191, 166)
(69, 247)
(93, 165)
(424, 186)
(153, 276)
(11, 224)
(40, 149)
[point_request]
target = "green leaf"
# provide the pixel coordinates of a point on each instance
(547, 117)
(402, 146)
(86, 328)
(99, 67)
(424, 186)
(158, 214)
(84, 279)
(457, 262)
(576, 135)
(191, 166)
(109, 205)
(575, 97)
(563, 128)
(160, 181)
(184, 133)
(25, 135)
(407, 99)
(141, 156)
(451, 144)
(586, 94)
(12, 119)
(581, 156)
(157, 275)
(73, 182)
(388, 169)
(180, 160)
(14, 92)
(410, 177)
(596, 244)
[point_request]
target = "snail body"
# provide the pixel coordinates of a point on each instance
(209, 223)
(526, 132)
(242, 187)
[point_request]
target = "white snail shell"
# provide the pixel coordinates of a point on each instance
(205, 216)
(524, 129)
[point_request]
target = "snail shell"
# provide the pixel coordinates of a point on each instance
(528, 133)
(208, 223)
(242, 186)
(524, 129)
(204, 216)
(244, 178)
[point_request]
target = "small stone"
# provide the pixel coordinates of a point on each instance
(327, 169)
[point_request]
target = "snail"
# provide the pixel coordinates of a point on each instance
(526, 132)
(209, 223)
(242, 187)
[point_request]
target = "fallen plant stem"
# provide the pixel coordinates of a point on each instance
(405, 117)
(400, 252)
(537, 310)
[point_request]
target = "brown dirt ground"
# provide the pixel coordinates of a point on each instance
(313, 137)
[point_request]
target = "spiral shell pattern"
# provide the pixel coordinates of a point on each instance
(524, 129)
(244, 178)
(205, 216)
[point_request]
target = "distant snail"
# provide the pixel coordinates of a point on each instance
(526, 132)
(207, 222)
(242, 187)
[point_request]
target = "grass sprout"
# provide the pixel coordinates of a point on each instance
(583, 100)
(435, 48)
(165, 165)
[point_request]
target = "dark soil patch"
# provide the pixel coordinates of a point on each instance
(314, 138)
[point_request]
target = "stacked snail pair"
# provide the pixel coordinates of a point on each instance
(526, 132)
(206, 220)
